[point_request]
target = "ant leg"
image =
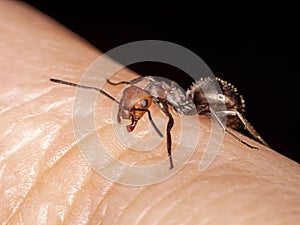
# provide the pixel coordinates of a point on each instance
(134, 81)
(151, 120)
(250, 128)
(169, 138)
(246, 124)
(163, 105)
(214, 115)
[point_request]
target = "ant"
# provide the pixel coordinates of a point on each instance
(135, 102)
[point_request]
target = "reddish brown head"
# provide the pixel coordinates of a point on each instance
(133, 105)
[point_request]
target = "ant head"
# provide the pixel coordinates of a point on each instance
(133, 105)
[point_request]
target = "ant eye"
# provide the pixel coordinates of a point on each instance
(145, 103)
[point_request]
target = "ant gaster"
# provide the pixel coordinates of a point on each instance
(135, 102)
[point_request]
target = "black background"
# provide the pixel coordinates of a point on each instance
(252, 45)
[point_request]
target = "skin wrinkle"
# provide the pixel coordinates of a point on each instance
(42, 177)
(161, 199)
(27, 196)
(28, 175)
(127, 205)
(92, 208)
(166, 211)
(111, 187)
(28, 116)
(181, 202)
(229, 194)
(121, 152)
(174, 204)
(230, 191)
(59, 154)
(32, 136)
(73, 204)
(104, 191)
(28, 142)
(140, 216)
(110, 201)
(99, 217)
(21, 191)
(163, 195)
(170, 206)
(235, 191)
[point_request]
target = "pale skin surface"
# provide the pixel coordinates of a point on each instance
(45, 180)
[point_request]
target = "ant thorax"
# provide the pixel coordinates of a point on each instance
(170, 91)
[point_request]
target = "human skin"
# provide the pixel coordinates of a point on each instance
(46, 180)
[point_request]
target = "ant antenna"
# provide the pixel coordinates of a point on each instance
(84, 87)
(107, 95)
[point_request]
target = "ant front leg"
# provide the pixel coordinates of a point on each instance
(163, 105)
